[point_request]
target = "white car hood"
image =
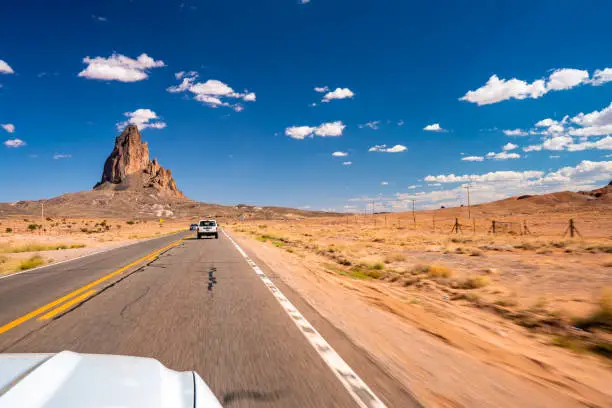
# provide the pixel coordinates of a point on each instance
(71, 380)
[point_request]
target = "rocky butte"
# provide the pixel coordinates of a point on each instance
(129, 168)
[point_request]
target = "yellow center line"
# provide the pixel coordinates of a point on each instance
(67, 305)
(48, 306)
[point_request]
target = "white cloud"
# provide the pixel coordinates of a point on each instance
(546, 122)
(372, 125)
(400, 123)
(601, 76)
(532, 148)
(566, 78)
(249, 97)
(503, 184)
(339, 154)
(592, 131)
(383, 148)
(347, 163)
(321, 89)
(554, 156)
(213, 92)
(509, 146)
(595, 118)
(299, 132)
(99, 18)
(495, 176)
(59, 156)
(384, 183)
(5, 68)
(557, 142)
(413, 187)
(304, 1)
(118, 67)
(9, 127)
(338, 93)
(515, 132)
(473, 158)
(601, 144)
(331, 129)
(503, 155)
(497, 90)
(14, 143)
(434, 127)
(143, 118)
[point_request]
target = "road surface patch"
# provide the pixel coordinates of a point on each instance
(67, 305)
(57, 302)
(357, 388)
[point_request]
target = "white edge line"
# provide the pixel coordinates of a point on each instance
(81, 257)
(356, 387)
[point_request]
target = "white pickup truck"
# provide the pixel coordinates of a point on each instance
(207, 228)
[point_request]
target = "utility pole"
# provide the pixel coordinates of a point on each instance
(42, 215)
(413, 216)
(467, 187)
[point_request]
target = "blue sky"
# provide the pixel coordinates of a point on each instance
(407, 89)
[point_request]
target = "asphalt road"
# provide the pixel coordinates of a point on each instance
(135, 301)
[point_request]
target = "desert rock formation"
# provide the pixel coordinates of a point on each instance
(128, 168)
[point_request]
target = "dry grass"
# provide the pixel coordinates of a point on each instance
(36, 247)
(475, 282)
(438, 271)
(520, 270)
(30, 263)
(602, 317)
(391, 258)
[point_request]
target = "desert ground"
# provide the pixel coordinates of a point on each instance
(28, 242)
(518, 314)
(521, 317)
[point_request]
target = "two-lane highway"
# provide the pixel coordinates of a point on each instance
(194, 305)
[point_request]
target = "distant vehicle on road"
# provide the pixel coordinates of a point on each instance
(208, 228)
(73, 380)
(193, 227)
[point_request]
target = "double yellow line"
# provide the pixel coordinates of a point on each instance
(84, 292)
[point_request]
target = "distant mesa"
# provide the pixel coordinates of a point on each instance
(129, 168)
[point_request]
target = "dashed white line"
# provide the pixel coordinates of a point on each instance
(357, 388)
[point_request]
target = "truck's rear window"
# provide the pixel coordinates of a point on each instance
(207, 224)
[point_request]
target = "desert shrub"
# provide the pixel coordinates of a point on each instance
(84, 230)
(526, 246)
(395, 258)
(559, 244)
(419, 269)
(475, 282)
(507, 302)
(33, 227)
(602, 317)
(600, 248)
(343, 261)
(363, 271)
(544, 251)
(378, 240)
(476, 252)
(130, 222)
(9, 230)
(439, 271)
(30, 263)
(377, 266)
